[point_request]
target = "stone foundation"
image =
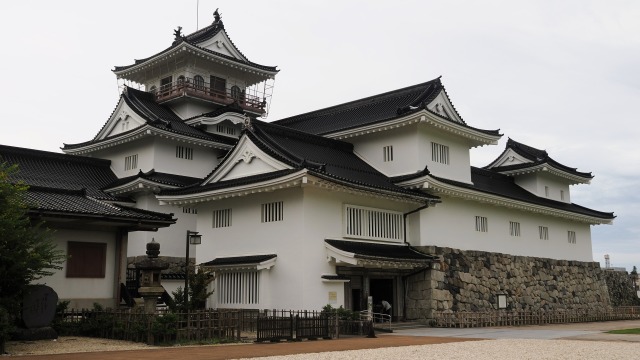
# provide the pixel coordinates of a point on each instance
(621, 290)
(471, 281)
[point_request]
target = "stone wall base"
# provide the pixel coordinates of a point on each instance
(472, 280)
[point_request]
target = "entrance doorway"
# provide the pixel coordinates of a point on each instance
(381, 289)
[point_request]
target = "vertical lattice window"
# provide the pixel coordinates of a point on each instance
(571, 237)
(514, 228)
(221, 218)
(271, 212)
(188, 210)
(238, 287)
(131, 162)
(370, 223)
(482, 224)
(183, 152)
(543, 231)
(387, 153)
(440, 153)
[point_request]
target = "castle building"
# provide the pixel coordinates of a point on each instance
(330, 206)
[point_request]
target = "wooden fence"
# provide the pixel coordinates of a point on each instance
(135, 325)
(462, 319)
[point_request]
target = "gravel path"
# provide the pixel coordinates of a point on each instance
(488, 350)
(70, 344)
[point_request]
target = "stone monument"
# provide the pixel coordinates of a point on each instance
(38, 310)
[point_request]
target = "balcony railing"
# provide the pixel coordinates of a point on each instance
(203, 90)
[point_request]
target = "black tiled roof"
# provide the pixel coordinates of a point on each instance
(365, 250)
(323, 157)
(537, 157)
(60, 171)
(195, 39)
(239, 260)
(157, 177)
(370, 110)
(74, 202)
(491, 182)
(157, 116)
(68, 185)
(329, 159)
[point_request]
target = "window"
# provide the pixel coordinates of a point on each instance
(180, 81)
(222, 218)
(218, 85)
(225, 129)
(236, 93)
(188, 210)
(86, 259)
(238, 287)
(131, 162)
(440, 153)
(571, 237)
(482, 224)
(370, 223)
(271, 212)
(562, 195)
(183, 152)
(198, 81)
(546, 191)
(165, 84)
(387, 153)
(544, 232)
(514, 228)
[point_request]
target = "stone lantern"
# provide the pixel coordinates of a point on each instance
(150, 283)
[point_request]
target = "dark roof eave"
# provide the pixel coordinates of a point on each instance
(124, 221)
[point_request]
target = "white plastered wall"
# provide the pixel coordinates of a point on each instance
(452, 224)
(459, 167)
(83, 292)
(535, 183)
(310, 217)
(405, 146)
(143, 148)
(164, 160)
(172, 239)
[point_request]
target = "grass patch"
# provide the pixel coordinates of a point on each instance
(625, 331)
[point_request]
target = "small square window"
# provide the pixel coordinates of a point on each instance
(271, 212)
(440, 153)
(221, 218)
(543, 231)
(482, 224)
(86, 259)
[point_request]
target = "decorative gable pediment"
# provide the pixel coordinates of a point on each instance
(509, 157)
(246, 159)
(121, 120)
(442, 106)
(221, 43)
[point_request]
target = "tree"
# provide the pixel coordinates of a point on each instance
(198, 294)
(27, 252)
(634, 277)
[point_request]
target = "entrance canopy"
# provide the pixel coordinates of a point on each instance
(235, 263)
(374, 255)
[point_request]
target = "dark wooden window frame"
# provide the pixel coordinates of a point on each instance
(86, 259)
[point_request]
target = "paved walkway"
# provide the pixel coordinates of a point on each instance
(594, 331)
(581, 331)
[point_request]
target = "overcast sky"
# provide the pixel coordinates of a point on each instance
(563, 76)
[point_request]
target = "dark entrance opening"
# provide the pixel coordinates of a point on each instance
(381, 289)
(356, 299)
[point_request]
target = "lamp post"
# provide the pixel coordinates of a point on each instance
(193, 238)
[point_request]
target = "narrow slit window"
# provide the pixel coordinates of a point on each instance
(571, 237)
(514, 228)
(387, 153)
(183, 152)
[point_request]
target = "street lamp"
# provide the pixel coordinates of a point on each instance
(193, 238)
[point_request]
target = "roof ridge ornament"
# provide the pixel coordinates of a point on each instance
(247, 124)
(217, 19)
(177, 35)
